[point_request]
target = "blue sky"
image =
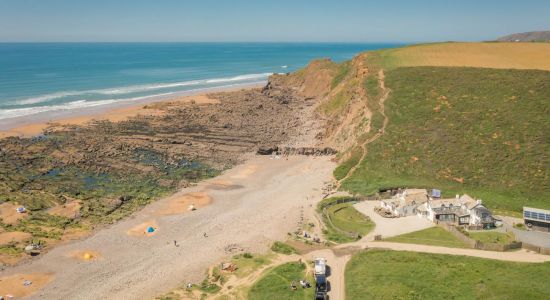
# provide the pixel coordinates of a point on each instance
(269, 20)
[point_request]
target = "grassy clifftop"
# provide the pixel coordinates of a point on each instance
(465, 117)
(481, 131)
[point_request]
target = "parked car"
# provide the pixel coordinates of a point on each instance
(321, 283)
(321, 295)
(320, 266)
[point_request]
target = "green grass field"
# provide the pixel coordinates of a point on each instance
(345, 218)
(492, 237)
(275, 284)
(484, 132)
(435, 236)
(380, 274)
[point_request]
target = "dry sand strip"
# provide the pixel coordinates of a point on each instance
(262, 205)
(14, 285)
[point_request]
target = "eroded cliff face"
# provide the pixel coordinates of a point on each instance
(341, 98)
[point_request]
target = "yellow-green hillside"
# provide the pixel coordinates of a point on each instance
(464, 117)
(483, 55)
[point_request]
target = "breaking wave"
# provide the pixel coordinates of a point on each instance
(137, 89)
(79, 104)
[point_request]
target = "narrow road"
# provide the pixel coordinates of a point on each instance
(337, 264)
(338, 257)
(517, 256)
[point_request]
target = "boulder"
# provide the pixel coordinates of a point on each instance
(267, 150)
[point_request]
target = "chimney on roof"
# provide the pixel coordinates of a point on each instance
(457, 196)
(478, 201)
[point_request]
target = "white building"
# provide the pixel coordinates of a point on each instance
(462, 210)
(406, 202)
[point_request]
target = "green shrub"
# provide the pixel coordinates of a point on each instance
(343, 70)
(280, 247)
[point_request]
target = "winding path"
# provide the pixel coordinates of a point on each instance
(385, 95)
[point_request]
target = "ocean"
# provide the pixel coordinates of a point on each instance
(47, 77)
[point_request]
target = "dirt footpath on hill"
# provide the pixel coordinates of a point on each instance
(251, 204)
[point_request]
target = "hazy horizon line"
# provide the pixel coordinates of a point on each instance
(238, 42)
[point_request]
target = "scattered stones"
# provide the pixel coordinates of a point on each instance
(308, 151)
(233, 248)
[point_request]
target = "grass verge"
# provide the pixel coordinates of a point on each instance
(380, 274)
(343, 223)
(275, 284)
(492, 237)
(434, 236)
(282, 248)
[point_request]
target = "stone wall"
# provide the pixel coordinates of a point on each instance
(309, 151)
(531, 247)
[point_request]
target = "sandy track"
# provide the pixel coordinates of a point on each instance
(264, 207)
(517, 256)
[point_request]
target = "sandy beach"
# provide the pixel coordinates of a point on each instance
(34, 124)
(260, 203)
(176, 238)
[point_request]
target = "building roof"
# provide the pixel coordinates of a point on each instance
(391, 201)
(541, 215)
(408, 197)
(468, 201)
(445, 202)
(482, 209)
(416, 198)
(537, 210)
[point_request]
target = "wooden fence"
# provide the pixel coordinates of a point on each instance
(461, 236)
(478, 244)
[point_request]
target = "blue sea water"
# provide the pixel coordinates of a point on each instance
(43, 77)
